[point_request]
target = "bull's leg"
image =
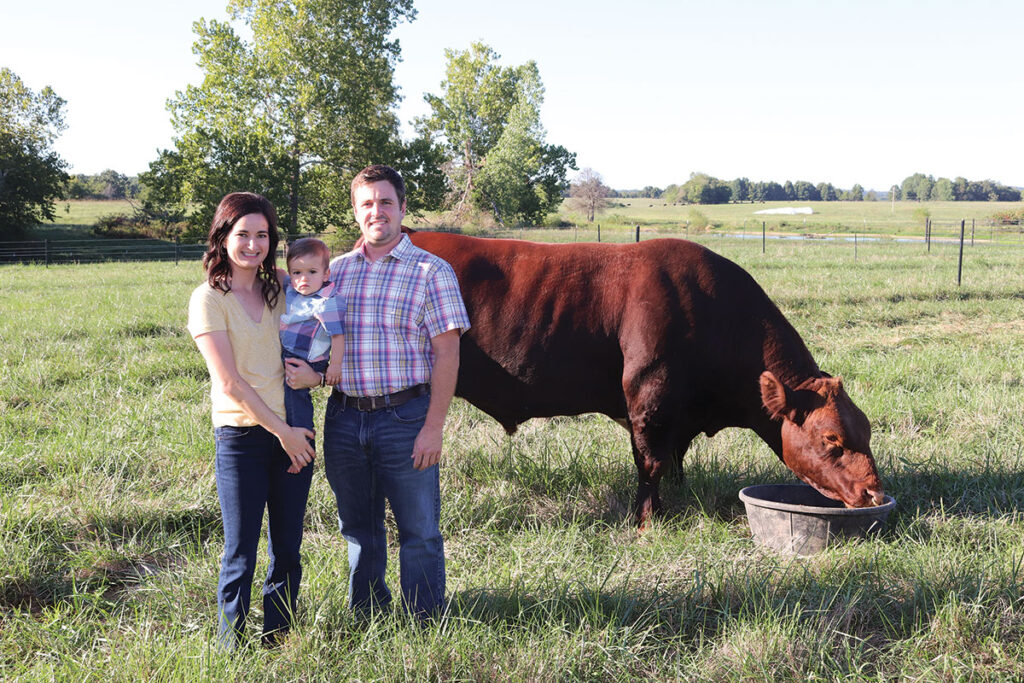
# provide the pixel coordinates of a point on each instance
(652, 451)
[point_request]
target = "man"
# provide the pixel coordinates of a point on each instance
(384, 421)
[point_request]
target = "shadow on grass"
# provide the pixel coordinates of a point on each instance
(125, 548)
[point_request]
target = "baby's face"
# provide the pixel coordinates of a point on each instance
(308, 273)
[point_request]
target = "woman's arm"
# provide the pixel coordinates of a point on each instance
(220, 360)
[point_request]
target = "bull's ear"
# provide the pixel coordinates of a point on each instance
(775, 396)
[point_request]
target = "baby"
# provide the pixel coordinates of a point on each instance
(311, 329)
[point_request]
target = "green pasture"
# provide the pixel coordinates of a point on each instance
(76, 217)
(110, 529)
(901, 219)
(658, 218)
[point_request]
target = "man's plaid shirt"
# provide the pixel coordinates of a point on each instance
(396, 305)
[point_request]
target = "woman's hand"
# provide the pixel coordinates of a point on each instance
(297, 443)
(298, 374)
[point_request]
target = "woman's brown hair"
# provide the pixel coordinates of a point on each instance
(218, 267)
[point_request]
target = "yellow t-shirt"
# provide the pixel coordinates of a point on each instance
(256, 347)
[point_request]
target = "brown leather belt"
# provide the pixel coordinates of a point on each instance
(367, 403)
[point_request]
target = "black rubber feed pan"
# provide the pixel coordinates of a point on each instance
(795, 519)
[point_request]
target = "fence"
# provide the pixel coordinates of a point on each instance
(97, 250)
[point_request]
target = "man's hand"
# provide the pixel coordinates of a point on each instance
(426, 450)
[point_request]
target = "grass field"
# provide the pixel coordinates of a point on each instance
(110, 530)
(655, 218)
(76, 217)
(880, 218)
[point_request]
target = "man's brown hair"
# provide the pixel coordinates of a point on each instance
(377, 173)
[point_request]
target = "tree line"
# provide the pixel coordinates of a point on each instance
(705, 189)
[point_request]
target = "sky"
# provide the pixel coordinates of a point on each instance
(644, 92)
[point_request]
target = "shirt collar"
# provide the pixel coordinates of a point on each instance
(400, 251)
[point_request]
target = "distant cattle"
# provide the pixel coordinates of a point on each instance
(666, 337)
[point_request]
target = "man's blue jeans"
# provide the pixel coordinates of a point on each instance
(251, 476)
(367, 459)
(298, 404)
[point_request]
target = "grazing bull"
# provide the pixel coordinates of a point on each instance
(665, 337)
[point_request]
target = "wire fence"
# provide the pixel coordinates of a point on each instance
(98, 250)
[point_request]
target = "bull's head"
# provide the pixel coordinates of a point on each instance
(825, 438)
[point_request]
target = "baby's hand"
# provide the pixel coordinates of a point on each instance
(333, 374)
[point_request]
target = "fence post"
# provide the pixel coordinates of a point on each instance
(638, 232)
(972, 232)
(960, 265)
(46, 252)
(928, 233)
(764, 236)
(598, 232)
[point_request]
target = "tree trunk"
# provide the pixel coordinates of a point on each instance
(293, 199)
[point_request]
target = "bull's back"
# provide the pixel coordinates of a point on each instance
(550, 322)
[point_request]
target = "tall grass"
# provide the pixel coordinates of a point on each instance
(110, 530)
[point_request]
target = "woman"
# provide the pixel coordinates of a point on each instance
(234, 318)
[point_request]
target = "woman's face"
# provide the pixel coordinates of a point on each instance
(248, 242)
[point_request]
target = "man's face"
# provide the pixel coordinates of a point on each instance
(378, 213)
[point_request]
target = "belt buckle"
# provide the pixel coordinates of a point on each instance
(364, 403)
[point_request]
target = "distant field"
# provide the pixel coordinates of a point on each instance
(75, 217)
(905, 219)
(901, 219)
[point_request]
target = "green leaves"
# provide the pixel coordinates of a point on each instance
(32, 175)
(293, 112)
(487, 123)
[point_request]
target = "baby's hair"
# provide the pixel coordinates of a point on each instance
(308, 246)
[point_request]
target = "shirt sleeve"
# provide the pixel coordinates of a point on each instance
(444, 309)
(204, 311)
(332, 316)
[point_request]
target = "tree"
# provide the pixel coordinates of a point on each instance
(704, 189)
(917, 186)
(943, 190)
(32, 175)
(740, 189)
(856, 193)
(294, 112)
(486, 121)
(589, 193)
(805, 192)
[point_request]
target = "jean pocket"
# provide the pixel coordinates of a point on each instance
(412, 411)
(229, 432)
(334, 408)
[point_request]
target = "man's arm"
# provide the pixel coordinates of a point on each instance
(426, 451)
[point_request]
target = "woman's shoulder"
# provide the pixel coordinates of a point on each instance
(206, 295)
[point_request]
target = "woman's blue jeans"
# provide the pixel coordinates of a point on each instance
(251, 476)
(367, 459)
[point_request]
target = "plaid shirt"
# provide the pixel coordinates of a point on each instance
(396, 305)
(311, 321)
